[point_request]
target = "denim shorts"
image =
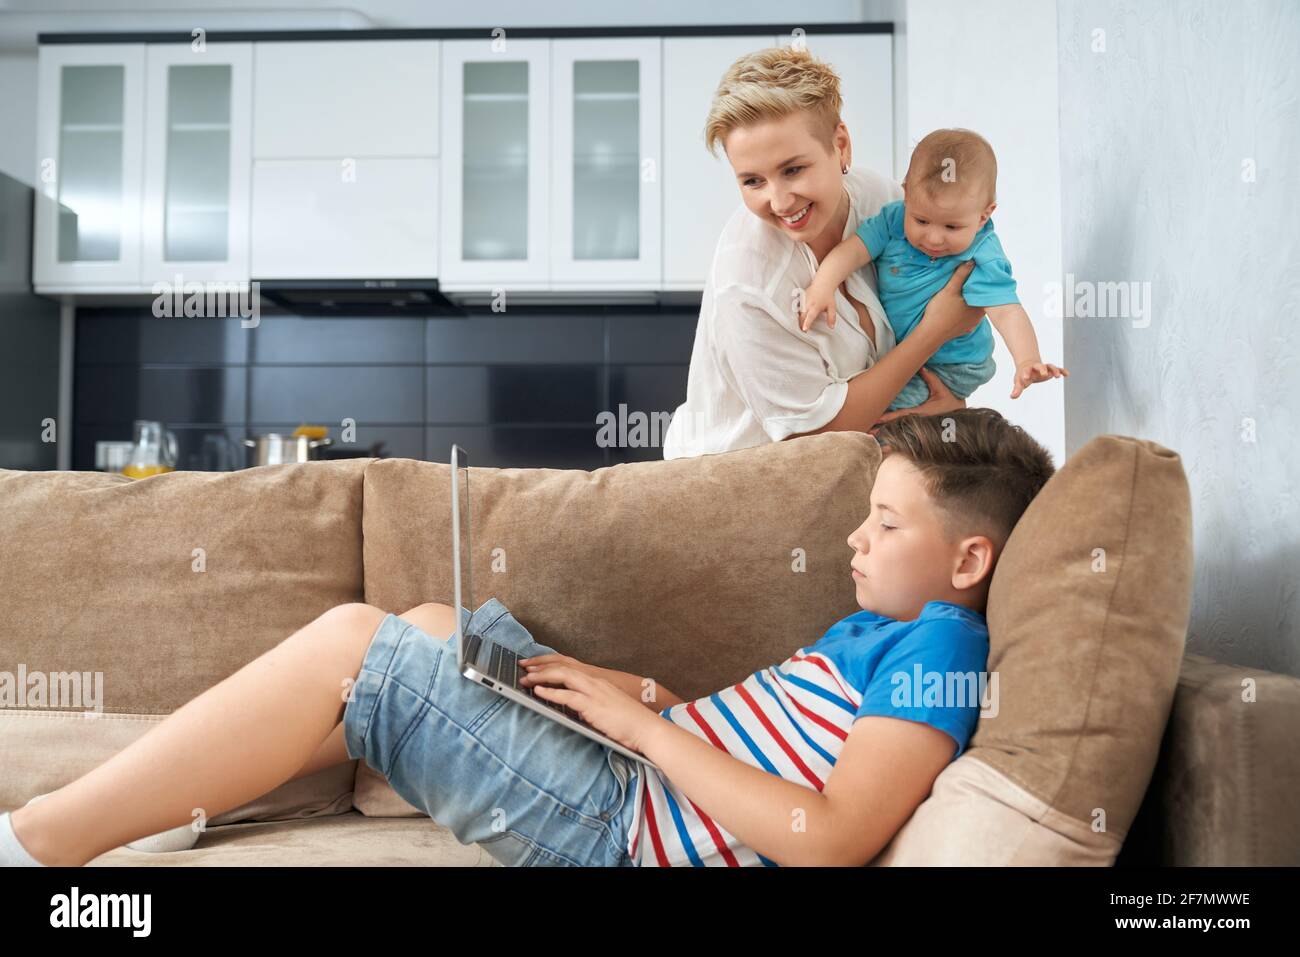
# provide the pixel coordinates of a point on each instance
(528, 790)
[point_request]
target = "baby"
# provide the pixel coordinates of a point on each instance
(916, 243)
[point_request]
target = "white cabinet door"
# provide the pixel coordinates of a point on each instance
(865, 65)
(197, 160)
(345, 219)
(90, 109)
(496, 142)
(345, 98)
(700, 191)
(605, 163)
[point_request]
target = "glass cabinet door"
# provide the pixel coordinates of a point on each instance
(197, 162)
(495, 150)
(88, 165)
(605, 177)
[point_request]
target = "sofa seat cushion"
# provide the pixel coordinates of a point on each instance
(340, 840)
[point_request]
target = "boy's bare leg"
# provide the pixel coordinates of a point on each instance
(436, 620)
(242, 737)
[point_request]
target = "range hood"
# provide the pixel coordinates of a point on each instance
(358, 297)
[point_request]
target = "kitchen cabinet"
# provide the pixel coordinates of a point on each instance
(345, 160)
(865, 65)
(368, 218)
(496, 137)
(198, 119)
(606, 213)
(346, 98)
(90, 109)
(565, 164)
(700, 191)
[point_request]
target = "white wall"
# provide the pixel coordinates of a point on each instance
(990, 66)
(1180, 142)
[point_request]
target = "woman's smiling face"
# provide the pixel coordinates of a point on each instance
(787, 177)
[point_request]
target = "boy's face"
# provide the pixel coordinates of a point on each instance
(943, 224)
(902, 558)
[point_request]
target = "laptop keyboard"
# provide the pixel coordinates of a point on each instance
(503, 668)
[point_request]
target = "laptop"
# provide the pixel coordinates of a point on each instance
(490, 664)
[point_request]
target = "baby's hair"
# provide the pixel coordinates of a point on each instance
(769, 85)
(980, 470)
(954, 157)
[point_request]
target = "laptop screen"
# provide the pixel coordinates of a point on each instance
(461, 551)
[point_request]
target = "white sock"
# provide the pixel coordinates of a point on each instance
(12, 852)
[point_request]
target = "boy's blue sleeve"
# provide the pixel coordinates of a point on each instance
(990, 284)
(876, 231)
(954, 651)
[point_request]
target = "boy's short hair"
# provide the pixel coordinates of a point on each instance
(770, 84)
(979, 469)
(953, 157)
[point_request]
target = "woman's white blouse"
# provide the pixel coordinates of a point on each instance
(755, 377)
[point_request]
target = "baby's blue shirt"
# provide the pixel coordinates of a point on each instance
(907, 278)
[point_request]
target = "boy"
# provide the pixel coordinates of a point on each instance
(747, 772)
(916, 243)
(815, 761)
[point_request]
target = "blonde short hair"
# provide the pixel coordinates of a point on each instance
(770, 84)
(956, 156)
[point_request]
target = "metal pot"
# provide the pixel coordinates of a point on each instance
(276, 449)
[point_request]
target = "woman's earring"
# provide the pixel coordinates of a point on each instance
(844, 169)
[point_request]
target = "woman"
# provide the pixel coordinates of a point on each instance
(755, 376)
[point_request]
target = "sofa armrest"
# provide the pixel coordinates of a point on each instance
(1226, 787)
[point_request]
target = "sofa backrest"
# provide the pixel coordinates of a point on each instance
(694, 572)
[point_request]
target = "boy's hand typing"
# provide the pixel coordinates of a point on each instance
(644, 690)
(600, 703)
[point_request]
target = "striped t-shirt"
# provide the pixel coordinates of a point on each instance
(792, 719)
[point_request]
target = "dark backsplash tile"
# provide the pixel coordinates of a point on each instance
(136, 336)
(118, 393)
(328, 394)
(518, 389)
(519, 335)
(353, 341)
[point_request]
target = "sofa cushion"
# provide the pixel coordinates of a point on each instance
(692, 571)
(101, 571)
(341, 840)
(1088, 614)
(1226, 789)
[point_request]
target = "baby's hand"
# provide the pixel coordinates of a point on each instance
(817, 300)
(1031, 371)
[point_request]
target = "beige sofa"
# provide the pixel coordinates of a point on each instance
(693, 571)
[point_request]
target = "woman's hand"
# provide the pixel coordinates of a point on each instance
(600, 703)
(947, 315)
(941, 400)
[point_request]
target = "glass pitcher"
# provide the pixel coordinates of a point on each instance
(154, 452)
